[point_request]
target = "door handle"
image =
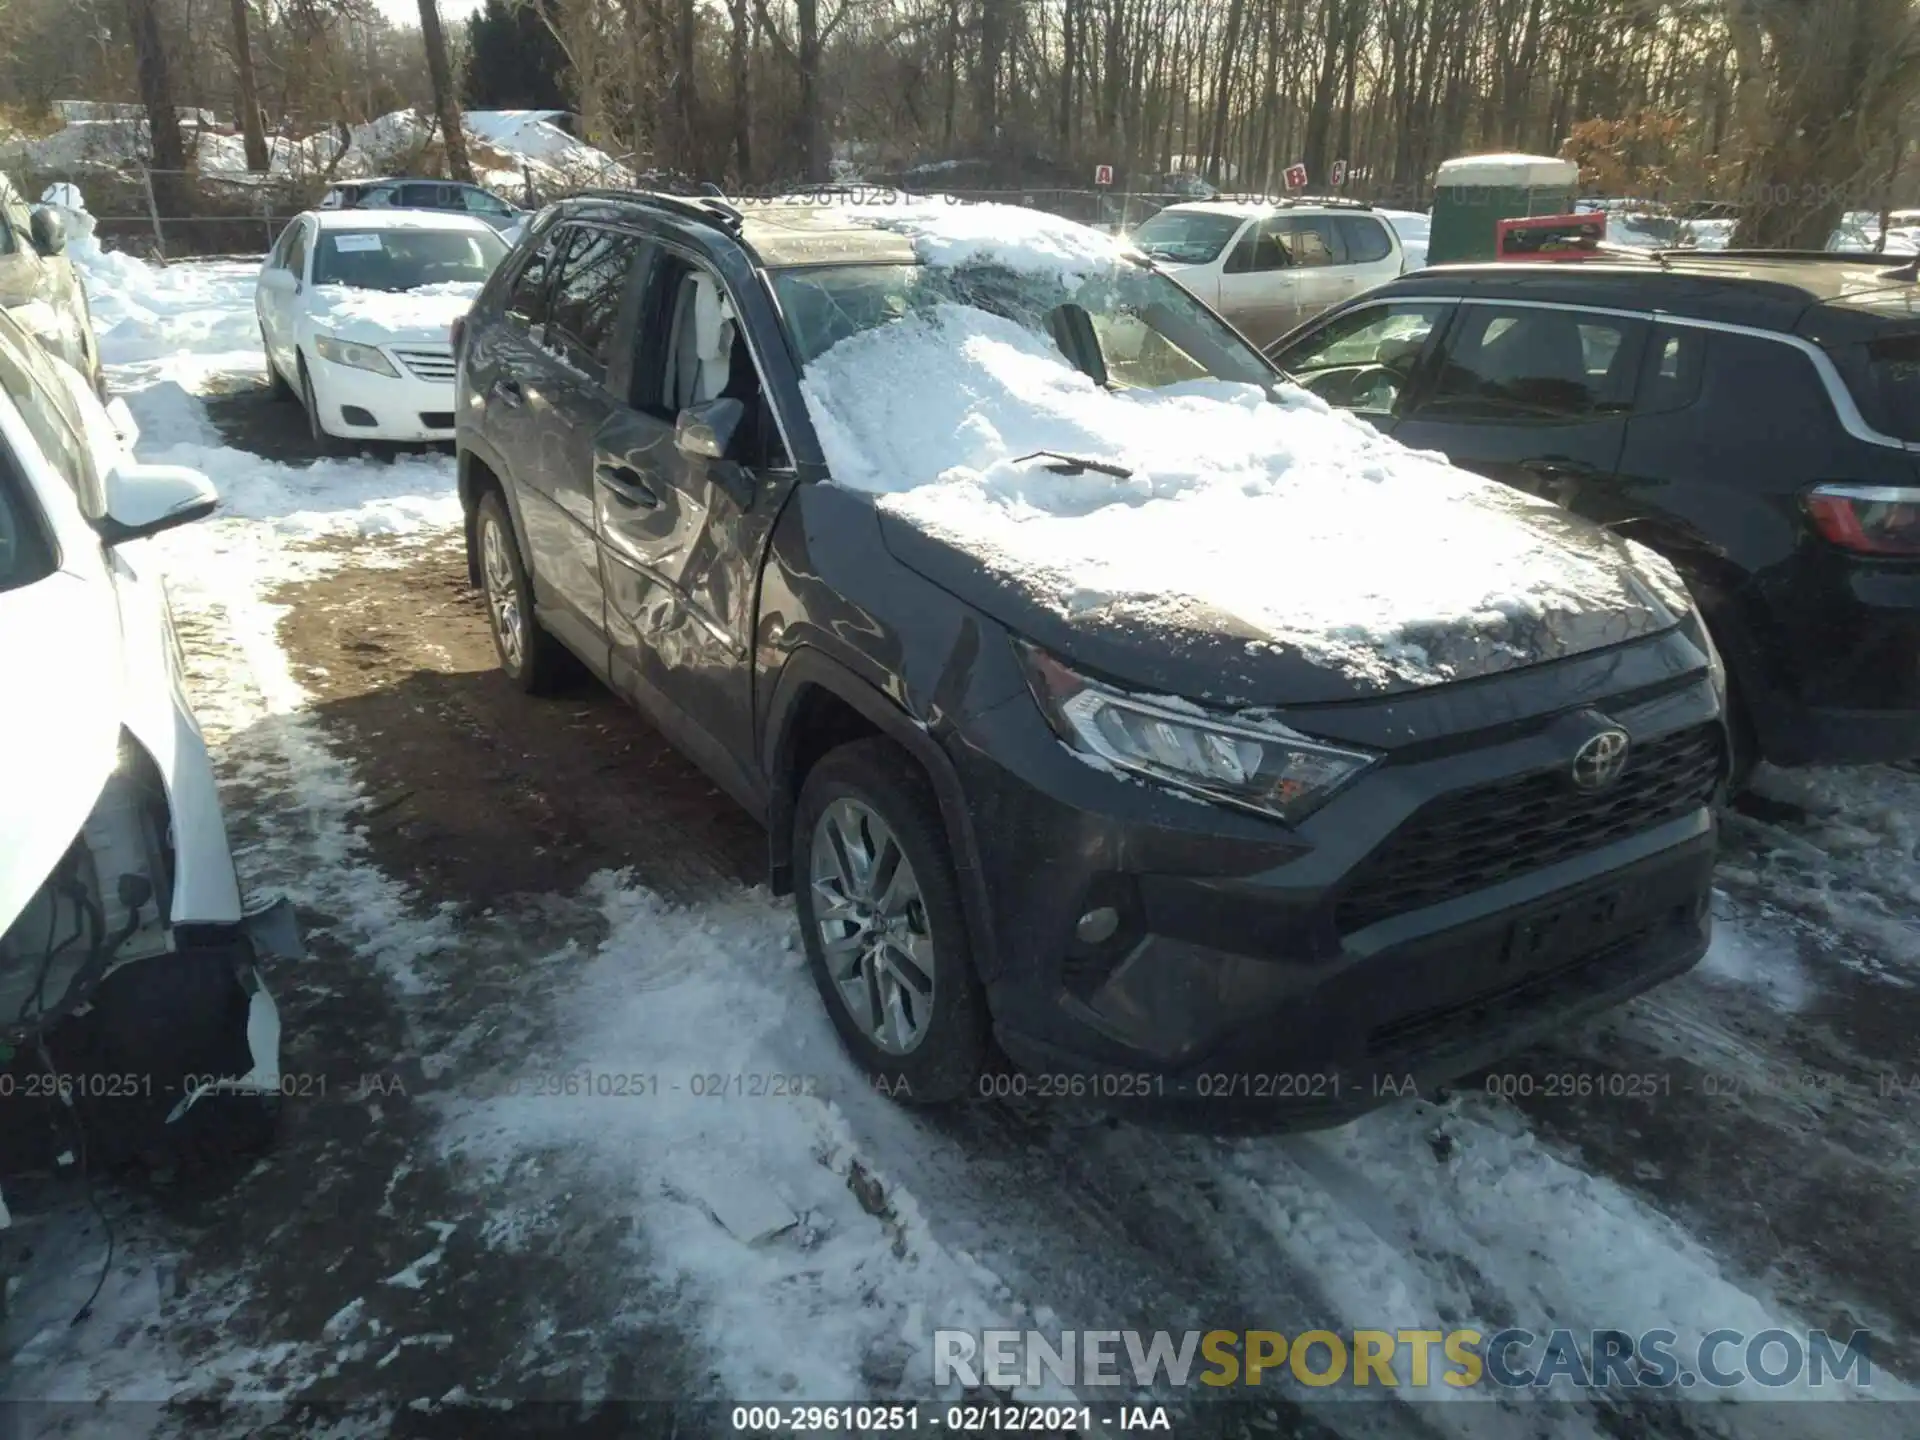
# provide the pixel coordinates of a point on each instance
(508, 392)
(1564, 465)
(623, 482)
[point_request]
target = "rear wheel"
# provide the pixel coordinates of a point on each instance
(531, 658)
(881, 919)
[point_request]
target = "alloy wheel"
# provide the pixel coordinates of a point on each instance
(873, 925)
(503, 595)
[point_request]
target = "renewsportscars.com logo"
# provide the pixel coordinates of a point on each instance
(1510, 1359)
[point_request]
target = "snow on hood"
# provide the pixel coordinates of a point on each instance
(381, 316)
(1288, 525)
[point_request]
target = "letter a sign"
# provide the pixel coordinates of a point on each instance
(1103, 174)
(1296, 176)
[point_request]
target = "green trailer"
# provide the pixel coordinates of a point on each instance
(1474, 193)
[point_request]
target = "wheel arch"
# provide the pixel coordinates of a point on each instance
(818, 704)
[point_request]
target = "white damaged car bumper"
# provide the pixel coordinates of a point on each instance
(417, 405)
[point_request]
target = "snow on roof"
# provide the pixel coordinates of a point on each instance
(378, 219)
(1300, 522)
(1489, 170)
(949, 232)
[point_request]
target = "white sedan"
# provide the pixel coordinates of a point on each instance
(355, 307)
(127, 956)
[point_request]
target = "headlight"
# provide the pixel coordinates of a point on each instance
(1253, 766)
(352, 352)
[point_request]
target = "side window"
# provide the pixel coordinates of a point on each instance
(1519, 364)
(691, 349)
(1364, 359)
(479, 202)
(53, 431)
(1240, 257)
(586, 297)
(423, 197)
(383, 197)
(527, 301)
(1670, 376)
(278, 258)
(1366, 239)
(1308, 240)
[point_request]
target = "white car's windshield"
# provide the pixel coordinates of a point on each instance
(405, 259)
(1186, 237)
(1129, 327)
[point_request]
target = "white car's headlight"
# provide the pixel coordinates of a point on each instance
(1252, 766)
(352, 352)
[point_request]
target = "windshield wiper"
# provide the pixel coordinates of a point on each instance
(1075, 465)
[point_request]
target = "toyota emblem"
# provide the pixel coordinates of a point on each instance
(1598, 763)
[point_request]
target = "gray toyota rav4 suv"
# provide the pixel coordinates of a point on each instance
(1109, 701)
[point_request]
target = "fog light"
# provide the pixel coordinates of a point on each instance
(1096, 927)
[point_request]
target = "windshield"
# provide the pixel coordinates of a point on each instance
(405, 259)
(1186, 237)
(1129, 327)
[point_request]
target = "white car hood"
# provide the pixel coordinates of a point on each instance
(59, 727)
(385, 317)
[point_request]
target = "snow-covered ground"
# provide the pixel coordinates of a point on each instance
(1726, 1204)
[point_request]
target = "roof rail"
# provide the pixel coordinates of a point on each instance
(1756, 253)
(694, 207)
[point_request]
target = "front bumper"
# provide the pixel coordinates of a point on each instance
(1245, 970)
(157, 1038)
(406, 409)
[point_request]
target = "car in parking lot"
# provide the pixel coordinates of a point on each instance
(355, 310)
(128, 962)
(40, 288)
(1754, 416)
(1106, 699)
(1271, 265)
(398, 193)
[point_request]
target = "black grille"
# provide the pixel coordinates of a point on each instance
(437, 419)
(1466, 842)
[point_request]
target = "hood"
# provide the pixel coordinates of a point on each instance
(59, 724)
(1256, 546)
(1173, 645)
(387, 317)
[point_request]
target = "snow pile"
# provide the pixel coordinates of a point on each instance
(949, 233)
(1295, 519)
(527, 142)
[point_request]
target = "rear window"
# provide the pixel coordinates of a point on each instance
(1885, 379)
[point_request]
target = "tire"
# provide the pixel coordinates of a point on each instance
(324, 441)
(531, 658)
(949, 1045)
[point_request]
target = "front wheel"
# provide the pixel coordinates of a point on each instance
(881, 919)
(325, 442)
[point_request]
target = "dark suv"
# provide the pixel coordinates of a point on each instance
(1134, 841)
(1752, 416)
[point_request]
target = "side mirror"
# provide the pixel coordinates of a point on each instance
(709, 428)
(143, 500)
(49, 229)
(279, 282)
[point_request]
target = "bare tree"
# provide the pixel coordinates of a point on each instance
(171, 189)
(252, 121)
(446, 106)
